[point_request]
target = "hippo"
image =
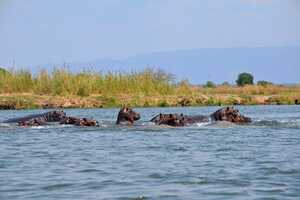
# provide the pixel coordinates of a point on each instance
(178, 119)
(32, 122)
(79, 122)
(229, 114)
(127, 116)
(169, 119)
(51, 116)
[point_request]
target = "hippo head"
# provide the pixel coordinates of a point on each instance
(169, 119)
(55, 116)
(32, 122)
(127, 115)
(69, 120)
(88, 122)
(79, 122)
(230, 114)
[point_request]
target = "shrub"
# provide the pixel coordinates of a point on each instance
(3, 72)
(264, 83)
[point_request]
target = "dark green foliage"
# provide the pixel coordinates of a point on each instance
(225, 84)
(82, 92)
(244, 79)
(163, 103)
(3, 71)
(264, 83)
(210, 84)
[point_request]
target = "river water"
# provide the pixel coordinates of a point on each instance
(203, 161)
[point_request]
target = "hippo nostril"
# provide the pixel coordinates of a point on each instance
(248, 119)
(138, 116)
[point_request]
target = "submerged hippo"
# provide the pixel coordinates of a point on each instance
(229, 114)
(79, 122)
(32, 122)
(169, 119)
(52, 116)
(127, 116)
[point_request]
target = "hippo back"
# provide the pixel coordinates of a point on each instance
(52, 116)
(175, 119)
(191, 119)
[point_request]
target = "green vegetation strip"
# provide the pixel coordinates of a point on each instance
(61, 88)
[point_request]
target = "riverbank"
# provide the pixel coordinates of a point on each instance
(32, 101)
(148, 88)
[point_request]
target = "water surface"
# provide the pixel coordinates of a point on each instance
(204, 161)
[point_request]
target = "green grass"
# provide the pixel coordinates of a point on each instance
(147, 88)
(64, 83)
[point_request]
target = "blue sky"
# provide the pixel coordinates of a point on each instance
(34, 32)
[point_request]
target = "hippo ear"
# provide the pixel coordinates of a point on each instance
(227, 109)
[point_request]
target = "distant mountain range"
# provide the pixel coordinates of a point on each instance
(275, 64)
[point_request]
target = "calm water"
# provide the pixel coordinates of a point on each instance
(204, 161)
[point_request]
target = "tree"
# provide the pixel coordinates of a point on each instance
(225, 83)
(210, 84)
(244, 79)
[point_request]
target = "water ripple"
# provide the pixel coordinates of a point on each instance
(211, 161)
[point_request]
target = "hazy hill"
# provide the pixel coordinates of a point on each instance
(276, 64)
